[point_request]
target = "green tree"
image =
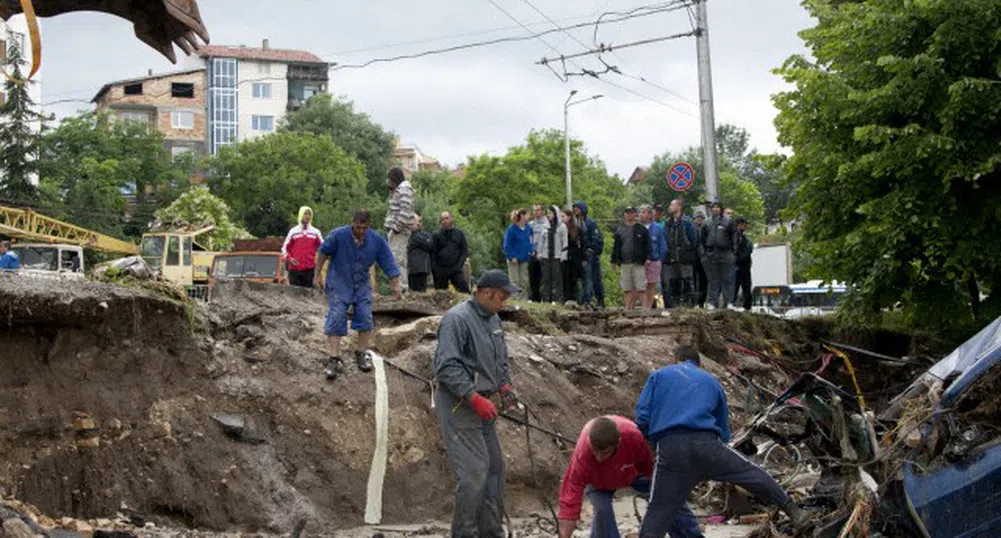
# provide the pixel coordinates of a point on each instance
(198, 208)
(895, 127)
(353, 131)
(142, 166)
(265, 181)
(18, 135)
(776, 190)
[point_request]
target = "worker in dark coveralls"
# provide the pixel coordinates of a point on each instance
(470, 366)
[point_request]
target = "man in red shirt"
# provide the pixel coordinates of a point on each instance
(299, 249)
(611, 454)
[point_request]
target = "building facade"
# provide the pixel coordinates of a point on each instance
(171, 103)
(412, 160)
(225, 95)
(251, 89)
(14, 33)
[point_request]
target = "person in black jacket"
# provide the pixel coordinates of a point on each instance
(744, 250)
(719, 245)
(632, 251)
(419, 256)
(699, 279)
(448, 257)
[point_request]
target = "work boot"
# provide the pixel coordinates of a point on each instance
(364, 361)
(796, 515)
(334, 366)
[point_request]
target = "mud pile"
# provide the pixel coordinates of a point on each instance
(118, 401)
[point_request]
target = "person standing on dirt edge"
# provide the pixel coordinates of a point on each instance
(719, 243)
(419, 256)
(611, 454)
(448, 258)
(352, 250)
(299, 249)
(470, 366)
(593, 244)
(8, 258)
(540, 230)
(400, 217)
(683, 411)
(678, 271)
(744, 250)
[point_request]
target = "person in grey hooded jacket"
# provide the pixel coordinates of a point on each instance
(471, 366)
(552, 253)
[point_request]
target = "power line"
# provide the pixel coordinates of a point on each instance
(608, 48)
(647, 97)
(653, 10)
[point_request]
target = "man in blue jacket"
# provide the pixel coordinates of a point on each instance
(352, 250)
(593, 244)
(8, 258)
(683, 410)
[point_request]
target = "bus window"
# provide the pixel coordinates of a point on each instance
(173, 250)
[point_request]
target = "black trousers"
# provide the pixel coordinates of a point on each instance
(443, 278)
(535, 279)
(685, 459)
(303, 279)
(701, 284)
(743, 283)
(418, 282)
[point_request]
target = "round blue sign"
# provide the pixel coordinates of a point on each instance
(681, 176)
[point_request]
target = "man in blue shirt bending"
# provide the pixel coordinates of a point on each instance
(352, 250)
(683, 410)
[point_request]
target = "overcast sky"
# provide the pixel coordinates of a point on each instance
(481, 100)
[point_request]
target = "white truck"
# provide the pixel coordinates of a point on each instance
(50, 260)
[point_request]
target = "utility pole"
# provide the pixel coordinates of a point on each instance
(706, 103)
(566, 136)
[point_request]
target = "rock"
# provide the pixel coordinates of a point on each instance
(81, 527)
(535, 358)
(230, 423)
(161, 429)
(16, 528)
(104, 524)
(390, 341)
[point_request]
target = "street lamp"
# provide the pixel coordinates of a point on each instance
(566, 134)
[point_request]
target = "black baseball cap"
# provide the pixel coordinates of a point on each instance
(495, 278)
(630, 209)
(716, 204)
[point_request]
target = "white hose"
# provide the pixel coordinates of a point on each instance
(377, 474)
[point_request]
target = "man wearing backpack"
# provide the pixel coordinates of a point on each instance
(719, 245)
(678, 272)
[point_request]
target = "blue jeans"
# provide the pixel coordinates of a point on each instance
(604, 525)
(593, 287)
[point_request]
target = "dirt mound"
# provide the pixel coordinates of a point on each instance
(151, 387)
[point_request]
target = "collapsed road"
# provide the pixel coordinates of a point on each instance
(121, 405)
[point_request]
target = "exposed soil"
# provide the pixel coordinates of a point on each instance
(151, 376)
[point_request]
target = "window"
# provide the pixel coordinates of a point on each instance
(134, 89)
(187, 252)
(265, 124)
(134, 115)
(222, 103)
(177, 151)
(182, 89)
(174, 250)
(182, 119)
(262, 90)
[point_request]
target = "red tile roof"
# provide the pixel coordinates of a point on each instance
(251, 53)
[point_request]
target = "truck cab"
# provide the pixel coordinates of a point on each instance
(55, 260)
(265, 267)
(177, 257)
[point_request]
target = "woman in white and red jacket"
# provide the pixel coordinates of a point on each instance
(299, 249)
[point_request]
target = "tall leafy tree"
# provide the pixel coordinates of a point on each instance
(143, 169)
(20, 124)
(895, 124)
(265, 181)
(352, 131)
(197, 208)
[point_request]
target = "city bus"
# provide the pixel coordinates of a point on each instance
(813, 298)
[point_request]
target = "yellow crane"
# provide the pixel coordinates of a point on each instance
(29, 225)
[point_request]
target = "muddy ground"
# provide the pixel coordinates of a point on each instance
(107, 396)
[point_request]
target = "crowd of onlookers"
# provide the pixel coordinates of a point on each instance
(664, 259)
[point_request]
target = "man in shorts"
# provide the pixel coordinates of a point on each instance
(632, 252)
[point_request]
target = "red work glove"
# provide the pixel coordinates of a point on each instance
(483, 407)
(509, 400)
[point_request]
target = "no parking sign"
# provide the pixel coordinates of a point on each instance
(681, 177)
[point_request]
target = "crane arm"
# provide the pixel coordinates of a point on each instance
(27, 224)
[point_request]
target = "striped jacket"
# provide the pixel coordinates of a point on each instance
(401, 208)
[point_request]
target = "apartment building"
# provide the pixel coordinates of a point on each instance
(251, 89)
(225, 95)
(15, 33)
(172, 103)
(411, 159)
